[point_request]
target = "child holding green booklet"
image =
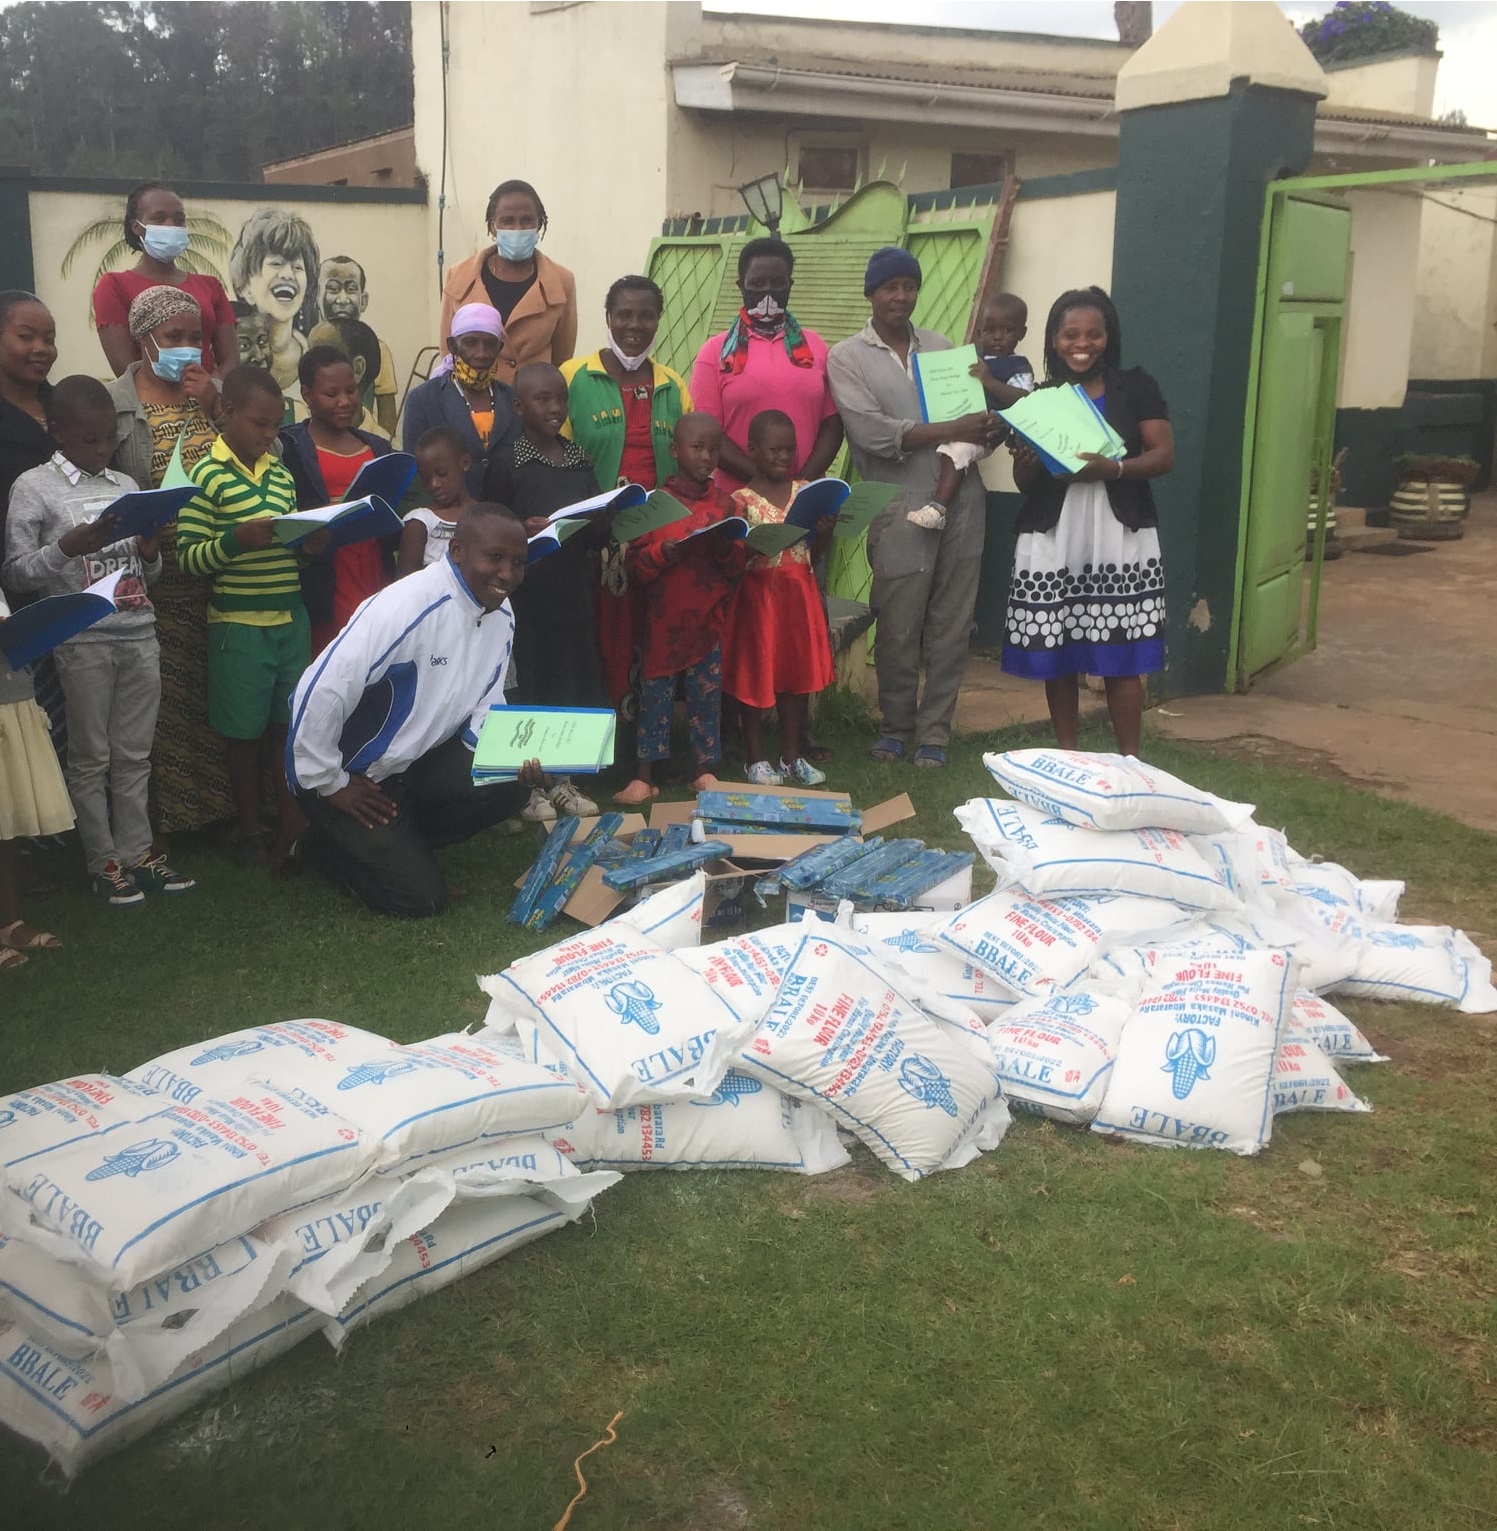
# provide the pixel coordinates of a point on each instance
(1087, 596)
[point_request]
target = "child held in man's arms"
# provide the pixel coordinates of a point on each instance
(556, 650)
(442, 461)
(60, 538)
(325, 454)
(258, 637)
(687, 582)
(1005, 377)
(776, 653)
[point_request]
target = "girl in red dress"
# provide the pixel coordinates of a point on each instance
(777, 653)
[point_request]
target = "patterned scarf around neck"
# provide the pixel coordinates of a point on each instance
(735, 343)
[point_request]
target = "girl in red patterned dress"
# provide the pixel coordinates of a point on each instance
(687, 583)
(777, 653)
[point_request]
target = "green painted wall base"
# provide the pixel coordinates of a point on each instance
(1191, 181)
(1457, 419)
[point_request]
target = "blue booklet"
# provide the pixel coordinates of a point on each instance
(37, 629)
(386, 478)
(143, 512)
(347, 522)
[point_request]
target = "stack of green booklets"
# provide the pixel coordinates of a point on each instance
(1062, 423)
(568, 741)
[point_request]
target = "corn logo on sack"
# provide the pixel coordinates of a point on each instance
(1099, 791)
(1194, 1067)
(841, 1037)
(143, 1197)
(50, 1115)
(630, 1021)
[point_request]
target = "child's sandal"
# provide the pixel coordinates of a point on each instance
(635, 793)
(11, 958)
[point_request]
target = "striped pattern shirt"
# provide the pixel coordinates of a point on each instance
(229, 494)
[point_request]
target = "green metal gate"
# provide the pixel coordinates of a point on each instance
(1288, 434)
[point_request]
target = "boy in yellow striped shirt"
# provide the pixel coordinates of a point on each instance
(258, 634)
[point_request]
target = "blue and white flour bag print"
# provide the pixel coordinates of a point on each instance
(148, 1330)
(1049, 857)
(1099, 791)
(1425, 964)
(907, 941)
(842, 1037)
(672, 917)
(1037, 945)
(1195, 1063)
(50, 1115)
(744, 1124)
(145, 1196)
(628, 1020)
(1055, 1054)
(745, 971)
(1305, 1079)
(1334, 1033)
(76, 1409)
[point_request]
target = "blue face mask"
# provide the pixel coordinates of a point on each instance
(163, 241)
(517, 244)
(170, 362)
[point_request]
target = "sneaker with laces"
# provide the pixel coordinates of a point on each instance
(153, 875)
(762, 774)
(566, 799)
(539, 809)
(931, 516)
(116, 887)
(802, 773)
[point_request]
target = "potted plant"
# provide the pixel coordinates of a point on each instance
(1433, 496)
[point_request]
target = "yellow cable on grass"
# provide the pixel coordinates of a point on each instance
(608, 1440)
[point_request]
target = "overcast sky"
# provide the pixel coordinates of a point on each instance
(1468, 30)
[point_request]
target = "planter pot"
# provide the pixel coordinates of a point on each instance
(1333, 548)
(1429, 511)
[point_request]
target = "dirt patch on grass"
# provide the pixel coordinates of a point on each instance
(1457, 1046)
(719, 1507)
(855, 1186)
(1262, 750)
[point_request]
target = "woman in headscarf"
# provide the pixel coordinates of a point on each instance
(622, 407)
(465, 392)
(158, 414)
(536, 299)
(156, 227)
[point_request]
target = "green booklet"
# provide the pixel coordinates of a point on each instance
(863, 503)
(946, 386)
(1060, 424)
(568, 741)
(659, 509)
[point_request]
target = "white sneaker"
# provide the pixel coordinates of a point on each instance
(566, 799)
(762, 774)
(538, 810)
(931, 516)
(802, 773)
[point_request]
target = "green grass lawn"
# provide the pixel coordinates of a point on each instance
(1071, 1333)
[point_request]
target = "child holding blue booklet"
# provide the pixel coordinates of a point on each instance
(61, 538)
(1087, 596)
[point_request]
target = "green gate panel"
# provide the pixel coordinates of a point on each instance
(1309, 252)
(689, 272)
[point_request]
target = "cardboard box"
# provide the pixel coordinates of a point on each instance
(730, 879)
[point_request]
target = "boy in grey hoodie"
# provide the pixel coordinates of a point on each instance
(58, 540)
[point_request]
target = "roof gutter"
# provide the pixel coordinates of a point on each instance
(1381, 140)
(739, 87)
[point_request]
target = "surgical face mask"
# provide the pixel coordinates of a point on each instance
(170, 362)
(629, 363)
(516, 244)
(163, 241)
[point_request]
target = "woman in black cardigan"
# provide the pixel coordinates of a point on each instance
(1087, 596)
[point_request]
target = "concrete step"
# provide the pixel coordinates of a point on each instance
(1352, 538)
(1350, 518)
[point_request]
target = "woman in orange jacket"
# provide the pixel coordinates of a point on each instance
(535, 297)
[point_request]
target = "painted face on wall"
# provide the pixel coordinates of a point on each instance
(342, 294)
(253, 337)
(278, 287)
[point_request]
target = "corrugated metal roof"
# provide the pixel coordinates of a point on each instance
(1086, 87)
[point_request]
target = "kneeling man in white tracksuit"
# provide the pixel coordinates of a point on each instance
(384, 721)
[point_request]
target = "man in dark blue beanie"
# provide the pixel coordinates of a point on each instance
(924, 579)
(886, 264)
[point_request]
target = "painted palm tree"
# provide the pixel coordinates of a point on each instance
(208, 241)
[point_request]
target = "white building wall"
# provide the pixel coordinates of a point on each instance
(1379, 331)
(1455, 300)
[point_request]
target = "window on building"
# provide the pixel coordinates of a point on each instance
(830, 167)
(384, 173)
(341, 181)
(979, 169)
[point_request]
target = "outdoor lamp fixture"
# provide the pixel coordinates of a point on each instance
(765, 200)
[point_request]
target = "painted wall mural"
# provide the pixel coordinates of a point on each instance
(286, 294)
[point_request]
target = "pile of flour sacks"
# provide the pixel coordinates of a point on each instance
(1153, 964)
